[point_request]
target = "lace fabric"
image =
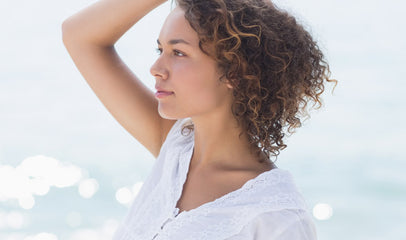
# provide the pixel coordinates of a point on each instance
(154, 214)
(227, 215)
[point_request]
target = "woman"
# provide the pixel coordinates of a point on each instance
(231, 78)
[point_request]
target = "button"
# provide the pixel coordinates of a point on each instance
(175, 212)
(167, 220)
(155, 236)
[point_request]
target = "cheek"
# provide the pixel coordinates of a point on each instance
(198, 82)
(197, 86)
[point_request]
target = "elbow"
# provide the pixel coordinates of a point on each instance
(73, 33)
(67, 32)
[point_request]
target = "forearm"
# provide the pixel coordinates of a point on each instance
(105, 21)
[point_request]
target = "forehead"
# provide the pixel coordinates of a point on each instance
(177, 27)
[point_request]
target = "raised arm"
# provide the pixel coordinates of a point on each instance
(89, 36)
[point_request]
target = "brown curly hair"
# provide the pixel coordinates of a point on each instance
(273, 64)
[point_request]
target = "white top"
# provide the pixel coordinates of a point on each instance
(266, 207)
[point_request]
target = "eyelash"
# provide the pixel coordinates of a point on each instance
(176, 52)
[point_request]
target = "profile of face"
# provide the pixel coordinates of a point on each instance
(189, 75)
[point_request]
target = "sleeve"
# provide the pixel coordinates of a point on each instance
(287, 224)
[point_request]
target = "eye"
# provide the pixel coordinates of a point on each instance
(175, 52)
(178, 53)
(159, 51)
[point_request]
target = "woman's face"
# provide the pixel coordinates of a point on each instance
(187, 80)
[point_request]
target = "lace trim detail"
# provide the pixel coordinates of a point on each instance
(248, 201)
(268, 178)
(235, 210)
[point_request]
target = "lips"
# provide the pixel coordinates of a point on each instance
(162, 94)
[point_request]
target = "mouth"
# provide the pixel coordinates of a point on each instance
(163, 94)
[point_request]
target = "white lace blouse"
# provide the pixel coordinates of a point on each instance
(266, 207)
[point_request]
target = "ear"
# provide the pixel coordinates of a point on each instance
(228, 84)
(226, 81)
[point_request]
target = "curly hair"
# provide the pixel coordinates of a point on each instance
(273, 64)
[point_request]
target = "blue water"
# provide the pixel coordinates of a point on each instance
(349, 154)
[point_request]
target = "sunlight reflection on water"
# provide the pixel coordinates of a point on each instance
(36, 175)
(34, 178)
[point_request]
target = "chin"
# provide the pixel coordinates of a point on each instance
(167, 114)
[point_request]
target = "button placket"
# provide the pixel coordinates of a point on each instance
(175, 213)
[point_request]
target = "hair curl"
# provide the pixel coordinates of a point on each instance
(273, 64)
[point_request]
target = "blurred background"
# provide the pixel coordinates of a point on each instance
(68, 170)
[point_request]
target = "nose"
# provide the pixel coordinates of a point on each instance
(158, 69)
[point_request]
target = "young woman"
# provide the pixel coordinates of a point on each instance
(232, 77)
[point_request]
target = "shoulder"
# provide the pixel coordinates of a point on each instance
(294, 221)
(285, 224)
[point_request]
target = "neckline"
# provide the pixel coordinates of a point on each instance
(185, 169)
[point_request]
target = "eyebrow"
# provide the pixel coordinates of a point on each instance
(174, 41)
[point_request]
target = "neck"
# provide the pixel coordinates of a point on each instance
(218, 144)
